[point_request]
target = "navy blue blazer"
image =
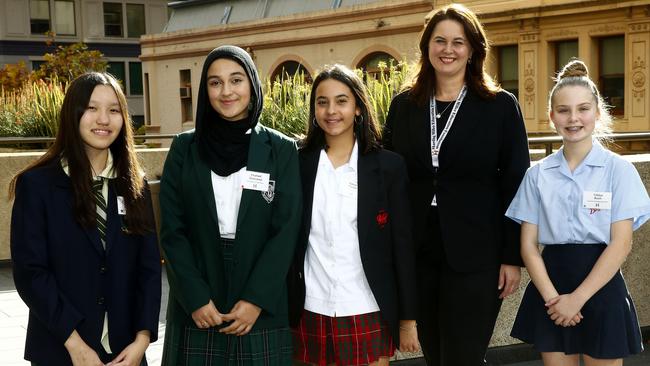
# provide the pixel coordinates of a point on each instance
(385, 235)
(69, 281)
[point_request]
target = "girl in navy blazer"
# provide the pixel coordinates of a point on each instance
(355, 266)
(83, 244)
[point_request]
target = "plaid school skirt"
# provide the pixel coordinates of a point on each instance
(262, 347)
(347, 340)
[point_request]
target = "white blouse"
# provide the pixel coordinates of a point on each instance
(336, 284)
(227, 197)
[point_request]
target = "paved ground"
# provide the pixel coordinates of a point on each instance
(13, 325)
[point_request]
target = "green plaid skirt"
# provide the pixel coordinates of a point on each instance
(207, 347)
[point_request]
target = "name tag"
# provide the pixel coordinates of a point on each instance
(348, 187)
(121, 207)
(597, 200)
(256, 181)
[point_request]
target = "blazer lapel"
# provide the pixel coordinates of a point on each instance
(369, 182)
(308, 169)
(204, 181)
(62, 181)
(259, 154)
(421, 132)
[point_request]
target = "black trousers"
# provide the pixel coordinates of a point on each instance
(457, 310)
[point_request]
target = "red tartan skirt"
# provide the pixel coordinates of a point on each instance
(347, 340)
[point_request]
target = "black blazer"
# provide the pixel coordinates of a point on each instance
(68, 280)
(481, 164)
(386, 246)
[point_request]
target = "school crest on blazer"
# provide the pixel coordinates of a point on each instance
(270, 193)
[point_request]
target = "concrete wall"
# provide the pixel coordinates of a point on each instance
(636, 269)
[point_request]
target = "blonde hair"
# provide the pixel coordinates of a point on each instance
(575, 73)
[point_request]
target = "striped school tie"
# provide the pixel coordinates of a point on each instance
(100, 202)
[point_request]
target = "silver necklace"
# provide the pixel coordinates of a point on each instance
(445, 110)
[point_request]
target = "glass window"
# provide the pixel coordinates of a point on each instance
(39, 16)
(509, 69)
(135, 23)
(113, 20)
(36, 65)
(135, 78)
(371, 63)
(612, 72)
(64, 17)
(288, 69)
(565, 51)
(118, 70)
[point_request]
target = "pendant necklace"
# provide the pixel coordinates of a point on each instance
(445, 110)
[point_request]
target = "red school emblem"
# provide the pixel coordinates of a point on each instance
(382, 218)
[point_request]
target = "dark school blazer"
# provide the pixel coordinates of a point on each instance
(68, 280)
(482, 163)
(266, 236)
(384, 229)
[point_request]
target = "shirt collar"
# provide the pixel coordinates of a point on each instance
(597, 156)
(108, 172)
(352, 163)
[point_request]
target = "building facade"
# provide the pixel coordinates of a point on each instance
(531, 40)
(113, 27)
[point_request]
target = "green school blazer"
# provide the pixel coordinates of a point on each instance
(267, 231)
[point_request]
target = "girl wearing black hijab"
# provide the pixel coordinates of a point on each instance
(230, 204)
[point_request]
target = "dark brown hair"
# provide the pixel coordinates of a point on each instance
(68, 143)
(476, 78)
(366, 131)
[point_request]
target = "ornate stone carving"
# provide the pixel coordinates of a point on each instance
(607, 29)
(561, 34)
(639, 27)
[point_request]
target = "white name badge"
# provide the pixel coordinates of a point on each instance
(121, 207)
(597, 200)
(348, 187)
(256, 181)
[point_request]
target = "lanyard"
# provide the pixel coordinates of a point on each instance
(436, 142)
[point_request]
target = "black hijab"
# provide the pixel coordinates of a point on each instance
(223, 145)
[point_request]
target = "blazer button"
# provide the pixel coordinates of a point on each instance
(102, 269)
(100, 301)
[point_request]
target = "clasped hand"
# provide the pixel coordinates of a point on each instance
(565, 309)
(243, 316)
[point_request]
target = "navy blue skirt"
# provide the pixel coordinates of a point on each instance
(609, 329)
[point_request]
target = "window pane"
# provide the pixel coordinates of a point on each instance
(509, 69)
(564, 51)
(135, 78)
(117, 69)
(64, 17)
(39, 14)
(612, 72)
(113, 20)
(135, 23)
(36, 65)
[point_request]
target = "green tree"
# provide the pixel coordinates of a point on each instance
(13, 76)
(69, 61)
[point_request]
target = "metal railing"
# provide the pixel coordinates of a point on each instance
(545, 141)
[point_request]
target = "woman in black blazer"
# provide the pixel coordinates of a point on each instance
(355, 252)
(83, 244)
(464, 142)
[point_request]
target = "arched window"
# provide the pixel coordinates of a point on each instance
(289, 69)
(371, 63)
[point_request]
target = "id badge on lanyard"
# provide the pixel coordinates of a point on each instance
(437, 141)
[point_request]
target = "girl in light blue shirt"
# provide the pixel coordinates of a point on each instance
(582, 204)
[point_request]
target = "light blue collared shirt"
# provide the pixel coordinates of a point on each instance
(551, 197)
